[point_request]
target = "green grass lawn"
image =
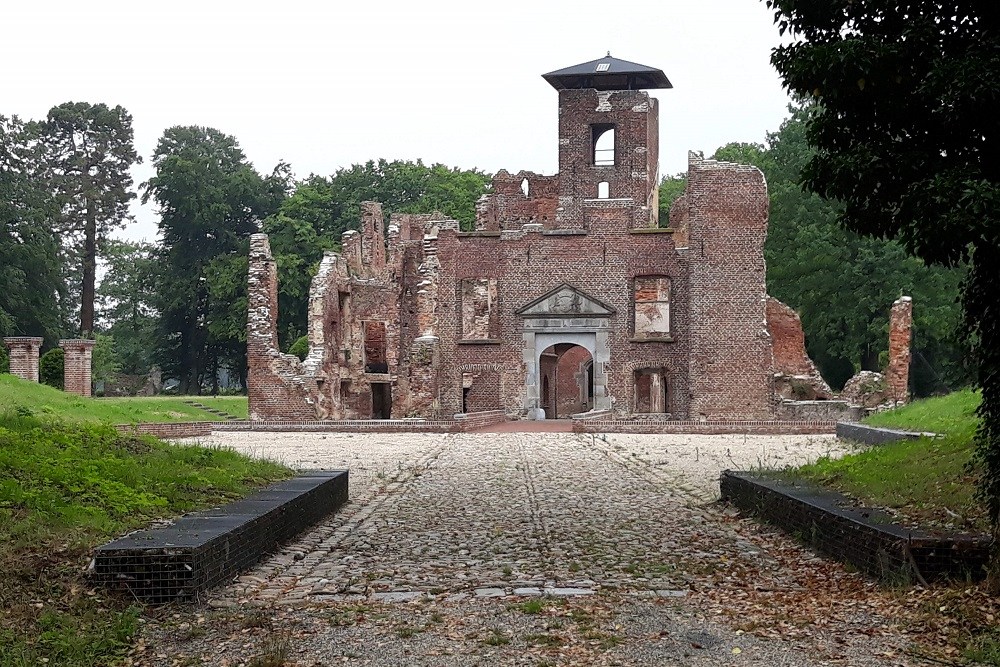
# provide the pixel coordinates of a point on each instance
(69, 482)
(42, 400)
(926, 481)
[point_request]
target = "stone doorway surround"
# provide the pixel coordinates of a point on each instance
(565, 314)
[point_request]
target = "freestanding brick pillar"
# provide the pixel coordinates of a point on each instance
(897, 375)
(24, 356)
(77, 365)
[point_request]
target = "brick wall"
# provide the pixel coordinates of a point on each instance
(77, 365)
(24, 356)
(169, 430)
(897, 374)
(796, 376)
(451, 302)
(731, 356)
(713, 427)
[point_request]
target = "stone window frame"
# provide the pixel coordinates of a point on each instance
(666, 337)
(460, 315)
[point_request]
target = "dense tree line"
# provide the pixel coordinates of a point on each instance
(178, 303)
(840, 282)
(904, 136)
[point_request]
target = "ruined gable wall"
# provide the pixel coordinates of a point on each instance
(796, 376)
(731, 355)
(277, 385)
(508, 207)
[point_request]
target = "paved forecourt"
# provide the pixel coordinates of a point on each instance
(446, 529)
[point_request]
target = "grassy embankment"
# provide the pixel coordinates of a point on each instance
(45, 401)
(926, 481)
(68, 482)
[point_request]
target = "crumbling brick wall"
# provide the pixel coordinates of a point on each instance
(897, 374)
(684, 306)
(731, 354)
(278, 387)
(796, 376)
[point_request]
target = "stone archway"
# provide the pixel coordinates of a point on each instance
(565, 316)
(592, 370)
(566, 370)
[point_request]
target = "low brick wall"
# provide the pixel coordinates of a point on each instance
(864, 537)
(179, 562)
(703, 427)
(471, 421)
(344, 425)
(169, 430)
(871, 435)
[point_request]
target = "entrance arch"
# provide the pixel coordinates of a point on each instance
(565, 316)
(567, 377)
(582, 383)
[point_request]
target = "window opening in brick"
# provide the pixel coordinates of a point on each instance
(480, 318)
(651, 307)
(525, 187)
(651, 396)
(344, 313)
(376, 360)
(603, 137)
(567, 373)
(603, 190)
(381, 400)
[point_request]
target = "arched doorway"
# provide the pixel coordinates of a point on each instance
(567, 380)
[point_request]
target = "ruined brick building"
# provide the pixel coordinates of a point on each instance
(566, 297)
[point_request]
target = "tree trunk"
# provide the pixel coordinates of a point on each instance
(869, 360)
(89, 272)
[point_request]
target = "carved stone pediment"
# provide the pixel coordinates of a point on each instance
(565, 301)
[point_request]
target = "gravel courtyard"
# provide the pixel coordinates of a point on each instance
(534, 549)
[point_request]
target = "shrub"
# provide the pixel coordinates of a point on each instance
(4, 360)
(51, 368)
(300, 348)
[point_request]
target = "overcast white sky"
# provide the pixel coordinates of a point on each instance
(323, 85)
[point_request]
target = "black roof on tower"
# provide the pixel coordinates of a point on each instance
(608, 73)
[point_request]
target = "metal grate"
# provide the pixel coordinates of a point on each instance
(177, 563)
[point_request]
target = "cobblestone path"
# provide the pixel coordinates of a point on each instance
(534, 549)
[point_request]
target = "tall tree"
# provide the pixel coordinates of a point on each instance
(210, 200)
(907, 137)
(90, 153)
(32, 288)
(126, 298)
(671, 187)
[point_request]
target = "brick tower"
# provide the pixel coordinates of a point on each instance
(608, 136)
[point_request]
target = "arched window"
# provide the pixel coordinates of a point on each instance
(603, 136)
(603, 190)
(525, 187)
